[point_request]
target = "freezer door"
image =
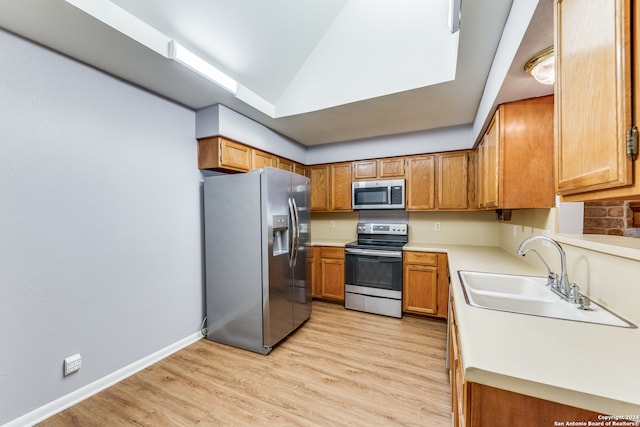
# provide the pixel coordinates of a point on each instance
(277, 293)
(234, 260)
(301, 287)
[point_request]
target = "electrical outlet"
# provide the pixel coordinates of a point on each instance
(332, 224)
(436, 226)
(72, 364)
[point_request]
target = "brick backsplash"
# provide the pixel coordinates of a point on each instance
(611, 218)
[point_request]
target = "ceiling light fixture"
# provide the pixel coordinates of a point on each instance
(541, 66)
(199, 65)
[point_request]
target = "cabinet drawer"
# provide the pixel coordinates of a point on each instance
(331, 252)
(425, 258)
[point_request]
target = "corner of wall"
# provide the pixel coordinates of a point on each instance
(208, 121)
(526, 223)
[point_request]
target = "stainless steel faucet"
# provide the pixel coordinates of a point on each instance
(561, 284)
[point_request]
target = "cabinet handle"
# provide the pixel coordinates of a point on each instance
(632, 143)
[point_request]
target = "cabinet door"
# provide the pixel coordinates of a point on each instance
(315, 273)
(593, 94)
(489, 163)
(234, 155)
(472, 180)
(341, 187)
(452, 180)
(365, 169)
(420, 293)
(260, 159)
(458, 392)
(284, 164)
(391, 168)
(319, 178)
(420, 191)
(332, 273)
(300, 170)
(220, 153)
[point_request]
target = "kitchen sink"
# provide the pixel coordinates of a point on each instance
(529, 295)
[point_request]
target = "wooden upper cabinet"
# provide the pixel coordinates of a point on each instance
(300, 169)
(284, 164)
(515, 157)
(340, 194)
(391, 168)
(593, 92)
(597, 98)
(223, 154)
(387, 168)
(331, 187)
(452, 180)
(261, 159)
(365, 169)
(488, 165)
(319, 187)
(420, 188)
(472, 184)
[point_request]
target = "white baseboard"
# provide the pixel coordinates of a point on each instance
(42, 413)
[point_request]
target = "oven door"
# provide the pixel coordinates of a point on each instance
(371, 268)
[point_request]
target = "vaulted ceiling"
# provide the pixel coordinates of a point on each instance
(317, 71)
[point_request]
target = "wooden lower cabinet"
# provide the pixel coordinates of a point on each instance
(425, 283)
(327, 277)
(479, 405)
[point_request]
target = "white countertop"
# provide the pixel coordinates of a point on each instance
(331, 242)
(585, 365)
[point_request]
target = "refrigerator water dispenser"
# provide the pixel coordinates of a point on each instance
(280, 234)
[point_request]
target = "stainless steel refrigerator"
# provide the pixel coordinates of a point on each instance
(257, 229)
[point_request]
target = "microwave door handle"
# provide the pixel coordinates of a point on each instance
(388, 194)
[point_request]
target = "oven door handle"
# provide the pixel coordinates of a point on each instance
(370, 252)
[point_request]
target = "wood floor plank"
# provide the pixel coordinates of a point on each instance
(341, 368)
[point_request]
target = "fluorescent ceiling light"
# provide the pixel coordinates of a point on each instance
(199, 65)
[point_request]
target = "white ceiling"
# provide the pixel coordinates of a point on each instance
(317, 71)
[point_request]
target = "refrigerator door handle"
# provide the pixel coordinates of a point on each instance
(296, 231)
(292, 234)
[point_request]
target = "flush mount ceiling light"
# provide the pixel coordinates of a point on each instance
(541, 66)
(199, 65)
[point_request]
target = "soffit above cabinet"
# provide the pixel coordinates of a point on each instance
(367, 68)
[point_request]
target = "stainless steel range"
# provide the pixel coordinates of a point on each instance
(373, 273)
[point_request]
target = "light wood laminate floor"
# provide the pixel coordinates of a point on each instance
(341, 368)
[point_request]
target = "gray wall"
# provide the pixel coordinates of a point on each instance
(220, 120)
(100, 233)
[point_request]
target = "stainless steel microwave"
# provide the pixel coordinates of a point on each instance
(384, 194)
